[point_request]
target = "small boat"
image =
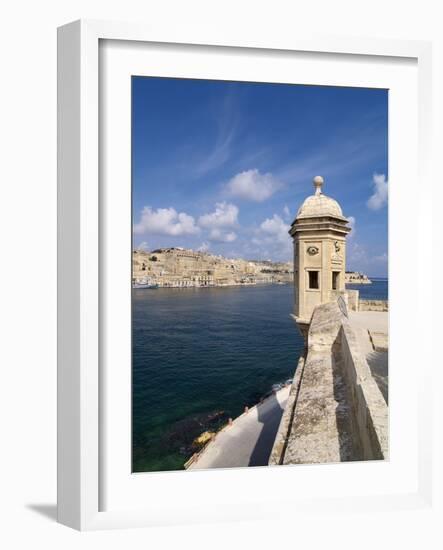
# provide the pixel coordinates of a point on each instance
(144, 283)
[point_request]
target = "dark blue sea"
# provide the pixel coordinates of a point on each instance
(378, 290)
(200, 355)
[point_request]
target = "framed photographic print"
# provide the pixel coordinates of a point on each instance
(233, 273)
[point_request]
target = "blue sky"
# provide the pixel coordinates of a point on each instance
(224, 166)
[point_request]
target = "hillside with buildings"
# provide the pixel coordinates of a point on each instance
(179, 267)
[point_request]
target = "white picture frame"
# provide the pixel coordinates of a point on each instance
(81, 437)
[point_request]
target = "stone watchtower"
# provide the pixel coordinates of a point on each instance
(319, 233)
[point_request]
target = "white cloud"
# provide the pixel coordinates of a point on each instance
(225, 215)
(380, 196)
(204, 247)
(286, 212)
(272, 235)
(143, 246)
(352, 225)
(165, 221)
(252, 185)
(217, 235)
(276, 228)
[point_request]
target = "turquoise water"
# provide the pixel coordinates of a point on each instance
(199, 356)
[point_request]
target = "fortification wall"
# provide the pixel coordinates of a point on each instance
(279, 447)
(369, 413)
(373, 305)
(336, 411)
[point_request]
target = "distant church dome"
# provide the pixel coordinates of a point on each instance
(319, 205)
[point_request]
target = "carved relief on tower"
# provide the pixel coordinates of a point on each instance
(312, 251)
(337, 253)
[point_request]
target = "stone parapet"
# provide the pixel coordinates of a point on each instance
(373, 305)
(369, 412)
(336, 411)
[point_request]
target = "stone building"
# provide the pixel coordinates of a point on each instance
(179, 267)
(319, 234)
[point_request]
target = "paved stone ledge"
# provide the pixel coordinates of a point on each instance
(379, 340)
(248, 440)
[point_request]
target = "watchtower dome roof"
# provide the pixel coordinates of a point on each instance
(319, 205)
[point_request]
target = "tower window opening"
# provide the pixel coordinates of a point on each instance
(313, 280)
(335, 275)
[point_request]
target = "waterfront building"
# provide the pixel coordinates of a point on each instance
(179, 268)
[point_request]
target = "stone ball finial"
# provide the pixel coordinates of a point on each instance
(318, 182)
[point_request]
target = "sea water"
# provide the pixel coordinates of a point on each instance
(378, 290)
(200, 355)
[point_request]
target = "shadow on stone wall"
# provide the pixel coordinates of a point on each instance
(348, 443)
(270, 418)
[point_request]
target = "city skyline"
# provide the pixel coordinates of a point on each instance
(223, 167)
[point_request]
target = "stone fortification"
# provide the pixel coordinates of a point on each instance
(335, 409)
(373, 305)
(319, 235)
(356, 278)
(177, 267)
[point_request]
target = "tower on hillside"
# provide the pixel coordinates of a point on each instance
(319, 234)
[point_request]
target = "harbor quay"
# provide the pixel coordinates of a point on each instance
(246, 441)
(336, 408)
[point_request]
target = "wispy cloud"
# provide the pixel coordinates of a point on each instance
(379, 198)
(382, 258)
(357, 256)
(359, 259)
(336, 155)
(217, 156)
(220, 152)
